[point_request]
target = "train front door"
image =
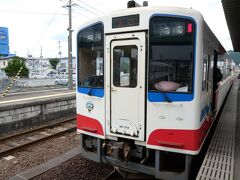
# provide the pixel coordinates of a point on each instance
(127, 87)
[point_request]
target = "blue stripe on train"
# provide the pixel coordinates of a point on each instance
(204, 112)
(158, 97)
(98, 92)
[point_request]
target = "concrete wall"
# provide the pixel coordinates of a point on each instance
(22, 115)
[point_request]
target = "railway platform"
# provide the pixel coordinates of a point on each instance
(25, 109)
(35, 95)
(222, 159)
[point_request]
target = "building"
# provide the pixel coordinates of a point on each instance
(5, 56)
(5, 60)
(63, 65)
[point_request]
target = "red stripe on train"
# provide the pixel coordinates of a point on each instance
(89, 124)
(180, 139)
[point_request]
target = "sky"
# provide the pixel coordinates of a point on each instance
(37, 26)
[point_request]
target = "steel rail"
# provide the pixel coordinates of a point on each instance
(20, 147)
(4, 138)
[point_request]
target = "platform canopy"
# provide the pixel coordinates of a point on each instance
(232, 14)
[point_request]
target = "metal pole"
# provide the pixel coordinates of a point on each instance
(70, 84)
(60, 57)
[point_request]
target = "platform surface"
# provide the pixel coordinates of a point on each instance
(31, 96)
(219, 160)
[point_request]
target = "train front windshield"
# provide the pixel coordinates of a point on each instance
(90, 52)
(171, 45)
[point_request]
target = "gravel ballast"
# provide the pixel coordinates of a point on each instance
(37, 154)
(75, 169)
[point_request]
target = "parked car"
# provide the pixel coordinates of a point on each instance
(37, 76)
(52, 74)
(63, 80)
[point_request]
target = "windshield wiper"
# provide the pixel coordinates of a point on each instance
(165, 96)
(90, 92)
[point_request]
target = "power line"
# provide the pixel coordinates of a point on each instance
(45, 30)
(79, 13)
(78, 6)
(30, 12)
(91, 7)
(103, 5)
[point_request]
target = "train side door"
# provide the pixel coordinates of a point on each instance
(127, 87)
(215, 86)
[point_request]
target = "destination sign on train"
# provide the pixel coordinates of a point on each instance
(125, 21)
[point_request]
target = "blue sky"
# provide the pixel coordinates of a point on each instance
(42, 23)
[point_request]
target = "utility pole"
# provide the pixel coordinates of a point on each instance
(41, 59)
(41, 56)
(60, 56)
(70, 84)
(59, 47)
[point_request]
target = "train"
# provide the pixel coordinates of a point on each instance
(150, 83)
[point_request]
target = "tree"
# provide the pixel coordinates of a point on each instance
(14, 66)
(235, 56)
(54, 62)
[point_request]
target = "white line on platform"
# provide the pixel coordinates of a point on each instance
(38, 97)
(44, 90)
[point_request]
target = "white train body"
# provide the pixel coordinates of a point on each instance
(146, 81)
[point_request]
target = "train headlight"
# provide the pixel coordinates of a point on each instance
(164, 30)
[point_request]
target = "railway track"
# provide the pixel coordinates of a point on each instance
(16, 142)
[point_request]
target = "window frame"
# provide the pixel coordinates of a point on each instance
(130, 66)
(157, 96)
(95, 91)
(205, 71)
(194, 34)
(78, 53)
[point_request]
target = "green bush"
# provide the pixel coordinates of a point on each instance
(14, 65)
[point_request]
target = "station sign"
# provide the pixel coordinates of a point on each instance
(4, 36)
(4, 50)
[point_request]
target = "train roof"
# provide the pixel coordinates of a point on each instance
(162, 9)
(147, 12)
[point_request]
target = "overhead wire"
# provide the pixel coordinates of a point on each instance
(78, 6)
(79, 14)
(86, 8)
(99, 2)
(30, 12)
(91, 7)
(45, 30)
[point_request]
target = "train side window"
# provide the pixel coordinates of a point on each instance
(209, 66)
(91, 57)
(204, 72)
